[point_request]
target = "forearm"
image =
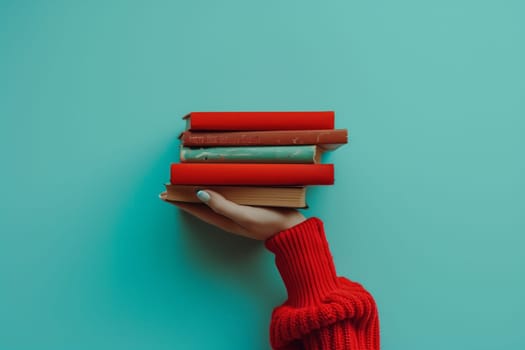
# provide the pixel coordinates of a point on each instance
(322, 311)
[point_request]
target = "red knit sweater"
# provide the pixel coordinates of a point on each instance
(322, 311)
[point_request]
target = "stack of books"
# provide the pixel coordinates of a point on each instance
(255, 158)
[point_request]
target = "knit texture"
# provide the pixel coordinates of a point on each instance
(322, 311)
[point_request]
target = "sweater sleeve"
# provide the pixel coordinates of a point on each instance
(322, 311)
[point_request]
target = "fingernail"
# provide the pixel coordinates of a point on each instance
(203, 196)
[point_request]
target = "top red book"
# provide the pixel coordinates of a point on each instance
(253, 121)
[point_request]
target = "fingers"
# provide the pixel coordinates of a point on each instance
(253, 222)
(207, 215)
(220, 205)
(261, 222)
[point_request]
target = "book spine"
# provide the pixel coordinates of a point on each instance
(252, 174)
(263, 154)
(329, 139)
(307, 120)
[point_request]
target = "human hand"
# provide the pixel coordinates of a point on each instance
(254, 222)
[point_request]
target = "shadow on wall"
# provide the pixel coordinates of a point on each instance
(233, 260)
(162, 258)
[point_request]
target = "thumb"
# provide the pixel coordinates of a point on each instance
(222, 206)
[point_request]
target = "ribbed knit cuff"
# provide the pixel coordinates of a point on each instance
(304, 261)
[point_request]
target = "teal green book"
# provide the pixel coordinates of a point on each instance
(309, 154)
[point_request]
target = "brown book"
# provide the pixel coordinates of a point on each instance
(290, 197)
(327, 139)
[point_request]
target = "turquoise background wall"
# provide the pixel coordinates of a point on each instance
(427, 210)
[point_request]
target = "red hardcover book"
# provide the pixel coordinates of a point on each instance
(252, 174)
(215, 121)
(327, 139)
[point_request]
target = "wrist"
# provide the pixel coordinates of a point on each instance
(304, 261)
(293, 220)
